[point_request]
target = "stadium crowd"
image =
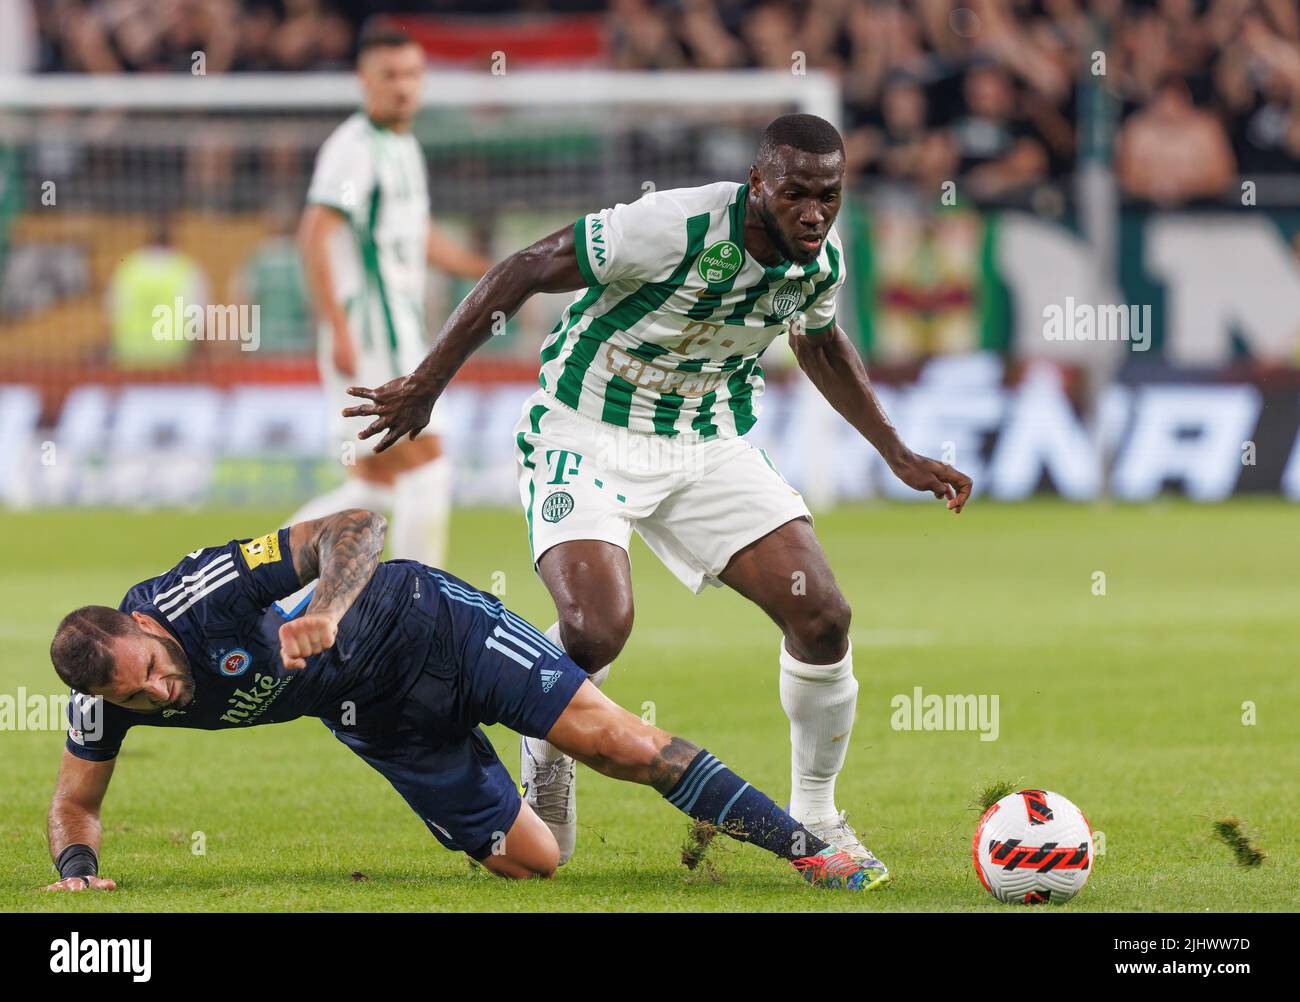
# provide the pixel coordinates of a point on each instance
(986, 90)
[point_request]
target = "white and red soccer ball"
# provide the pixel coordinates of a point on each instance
(1033, 847)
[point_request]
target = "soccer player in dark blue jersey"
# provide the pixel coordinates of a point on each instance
(403, 663)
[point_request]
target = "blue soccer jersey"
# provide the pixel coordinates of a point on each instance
(220, 605)
(421, 659)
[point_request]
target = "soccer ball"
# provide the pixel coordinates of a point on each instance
(1033, 847)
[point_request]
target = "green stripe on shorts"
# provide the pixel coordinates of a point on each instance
(526, 452)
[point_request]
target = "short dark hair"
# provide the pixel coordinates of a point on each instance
(82, 647)
(801, 132)
(381, 33)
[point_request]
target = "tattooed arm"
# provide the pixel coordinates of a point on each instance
(342, 551)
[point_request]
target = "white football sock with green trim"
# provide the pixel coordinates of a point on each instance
(820, 701)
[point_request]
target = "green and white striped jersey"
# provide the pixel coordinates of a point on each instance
(377, 179)
(667, 336)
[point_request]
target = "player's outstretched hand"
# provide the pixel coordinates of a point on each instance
(79, 884)
(399, 407)
(307, 635)
(923, 474)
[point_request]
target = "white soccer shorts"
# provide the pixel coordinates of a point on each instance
(694, 503)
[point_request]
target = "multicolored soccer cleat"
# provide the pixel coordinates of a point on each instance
(836, 870)
(838, 832)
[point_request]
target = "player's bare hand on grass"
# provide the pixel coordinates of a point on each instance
(81, 884)
(943, 481)
(301, 638)
(398, 407)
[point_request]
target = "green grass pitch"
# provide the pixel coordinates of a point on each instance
(1130, 703)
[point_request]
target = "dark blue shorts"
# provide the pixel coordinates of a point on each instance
(485, 666)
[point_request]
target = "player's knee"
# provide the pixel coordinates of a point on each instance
(593, 636)
(543, 867)
(541, 863)
(820, 629)
(527, 853)
(543, 857)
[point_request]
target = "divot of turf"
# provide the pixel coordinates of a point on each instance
(699, 836)
(695, 849)
(1232, 833)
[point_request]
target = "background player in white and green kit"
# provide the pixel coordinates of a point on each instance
(367, 244)
(648, 384)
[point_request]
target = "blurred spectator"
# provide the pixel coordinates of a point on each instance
(643, 39)
(19, 47)
(257, 30)
(708, 43)
(311, 36)
(902, 148)
(113, 36)
(1172, 152)
(158, 36)
(272, 279)
(771, 31)
(1259, 76)
(148, 294)
(995, 150)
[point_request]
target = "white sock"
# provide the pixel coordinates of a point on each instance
(820, 701)
(542, 751)
(421, 511)
(352, 493)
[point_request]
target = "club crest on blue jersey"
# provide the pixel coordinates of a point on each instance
(234, 662)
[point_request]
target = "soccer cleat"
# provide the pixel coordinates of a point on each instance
(837, 832)
(549, 789)
(836, 870)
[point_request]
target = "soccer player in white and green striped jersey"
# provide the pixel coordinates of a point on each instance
(367, 243)
(648, 385)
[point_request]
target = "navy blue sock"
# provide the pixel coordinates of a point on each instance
(709, 791)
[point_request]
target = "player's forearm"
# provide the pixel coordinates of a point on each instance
(346, 551)
(836, 369)
(70, 823)
(549, 265)
(497, 297)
